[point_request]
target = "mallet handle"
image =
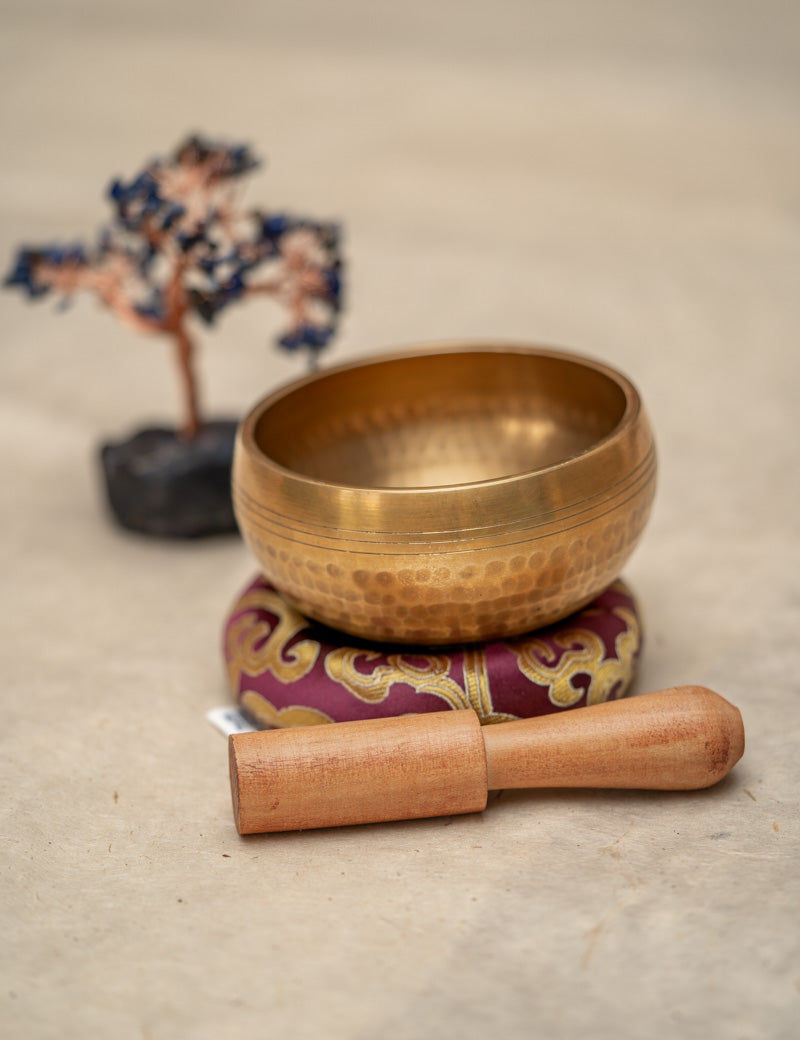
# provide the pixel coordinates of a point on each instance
(679, 739)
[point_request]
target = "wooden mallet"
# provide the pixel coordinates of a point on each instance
(445, 763)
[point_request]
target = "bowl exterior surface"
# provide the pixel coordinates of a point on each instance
(441, 565)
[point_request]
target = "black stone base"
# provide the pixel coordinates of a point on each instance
(160, 484)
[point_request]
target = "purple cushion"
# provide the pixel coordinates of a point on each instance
(288, 671)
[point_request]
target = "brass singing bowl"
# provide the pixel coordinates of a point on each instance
(446, 495)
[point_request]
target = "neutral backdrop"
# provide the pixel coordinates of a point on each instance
(615, 177)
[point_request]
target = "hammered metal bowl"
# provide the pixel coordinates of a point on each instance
(447, 494)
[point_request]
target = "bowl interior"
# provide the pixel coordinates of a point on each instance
(433, 420)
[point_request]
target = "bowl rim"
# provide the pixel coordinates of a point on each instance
(246, 432)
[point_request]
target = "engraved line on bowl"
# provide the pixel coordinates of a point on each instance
(268, 518)
(446, 551)
(640, 475)
(264, 523)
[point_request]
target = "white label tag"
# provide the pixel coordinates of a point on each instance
(229, 720)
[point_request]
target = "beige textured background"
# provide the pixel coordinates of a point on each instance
(617, 177)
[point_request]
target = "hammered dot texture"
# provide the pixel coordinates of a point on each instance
(446, 495)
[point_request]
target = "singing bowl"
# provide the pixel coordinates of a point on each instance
(448, 494)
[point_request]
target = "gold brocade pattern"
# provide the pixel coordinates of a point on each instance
(373, 687)
(264, 712)
(584, 654)
(476, 681)
(431, 677)
(254, 646)
(264, 625)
